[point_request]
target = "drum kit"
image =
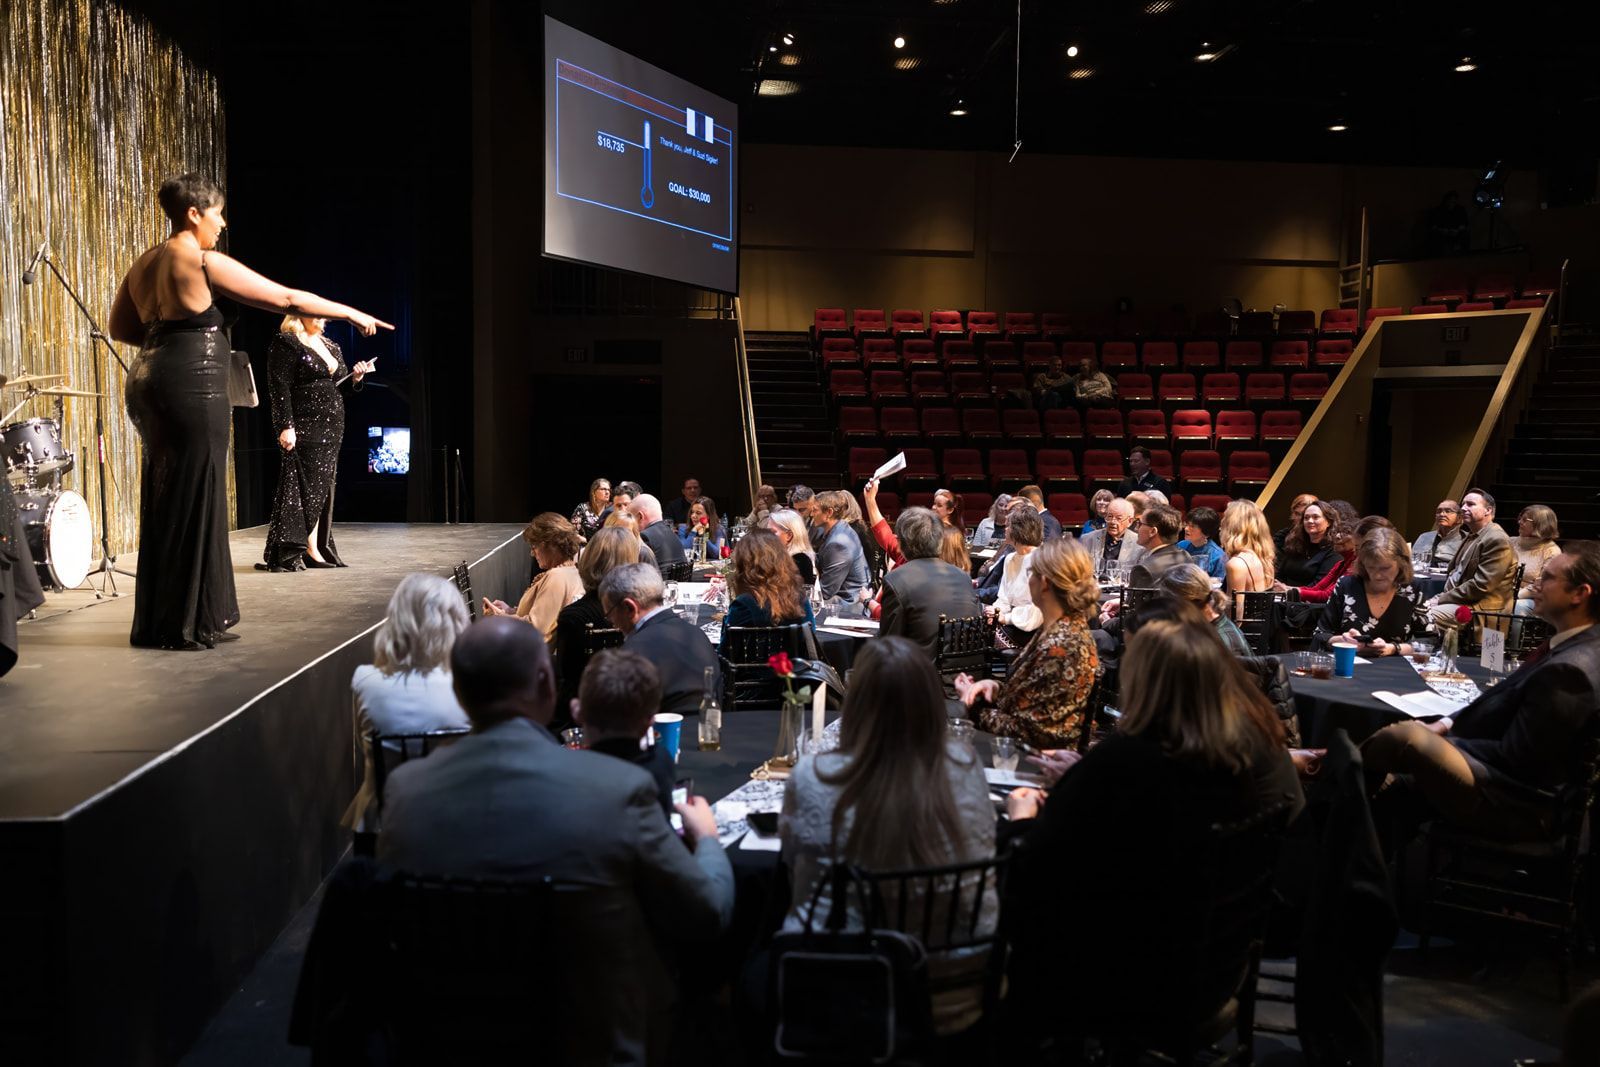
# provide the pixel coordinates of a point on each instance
(56, 520)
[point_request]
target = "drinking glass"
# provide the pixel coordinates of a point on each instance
(1321, 665)
(962, 730)
(1422, 650)
(1005, 755)
(671, 597)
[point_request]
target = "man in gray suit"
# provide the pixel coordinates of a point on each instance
(1158, 532)
(508, 801)
(924, 587)
(1113, 545)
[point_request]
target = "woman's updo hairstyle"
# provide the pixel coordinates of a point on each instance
(185, 191)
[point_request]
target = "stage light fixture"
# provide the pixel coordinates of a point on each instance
(907, 63)
(1338, 127)
(899, 42)
(788, 39)
(1205, 57)
(772, 48)
(960, 109)
(1159, 7)
(1072, 51)
(777, 87)
(1078, 74)
(789, 59)
(1466, 66)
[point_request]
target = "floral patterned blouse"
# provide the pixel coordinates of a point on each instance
(1043, 697)
(586, 519)
(1348, 610)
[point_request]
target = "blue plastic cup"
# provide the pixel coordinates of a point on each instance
(669, 732)
(1344, 659)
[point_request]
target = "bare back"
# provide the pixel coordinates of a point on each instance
(169, 282)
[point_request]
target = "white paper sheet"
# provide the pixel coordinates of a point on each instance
(752, 842)
(868, 625)
(842, 632)
(1494, 650)
(1012, 778)
(1420, 705)
(893, 466)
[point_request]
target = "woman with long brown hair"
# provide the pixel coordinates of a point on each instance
(898, 793)
(1309, 552)
(766, 588)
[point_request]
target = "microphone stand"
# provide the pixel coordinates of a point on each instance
(108, 563)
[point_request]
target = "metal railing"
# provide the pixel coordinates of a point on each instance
(747, 407)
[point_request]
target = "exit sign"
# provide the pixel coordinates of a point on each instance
(576, 355)
(1455, 334)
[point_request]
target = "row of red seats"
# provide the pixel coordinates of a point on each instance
(1009, 468)
(1489, 290)
(1070, 509)
(898, 427)
(976, 389)
(1022, 325)
(914, 354)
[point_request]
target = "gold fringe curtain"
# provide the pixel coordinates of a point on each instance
(96, 108)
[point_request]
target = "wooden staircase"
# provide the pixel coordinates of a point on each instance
(794, 427)
(1554, 455)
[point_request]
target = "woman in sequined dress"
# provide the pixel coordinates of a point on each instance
(303, 371)
(177, 396)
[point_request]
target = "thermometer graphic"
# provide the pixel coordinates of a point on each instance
(647, 195)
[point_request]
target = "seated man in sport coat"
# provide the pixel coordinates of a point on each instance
(918, 591)
(1123, 546)
(657, 532)
(633, 598)
(1483, 767)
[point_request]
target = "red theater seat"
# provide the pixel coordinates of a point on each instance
(1493, 287)
(1308, 386)
(1135, 386)
(1009, 468)
(982, 322)
(1201, 354)
(889, 387)
(1280, 425)
(1446, 291)
(1430, 309)
(858, 425)
(1070, 509)
(970, 388)
(1021, 325)
(1200, 470)
(940, 425)
(899, 428)
(1221, 388)
(963, 468)
(1146, 425)
(1063, 425)
(980, 426)
(945, 322)
(919, 500)
(1057, 468)
(847, 385)
(975, 507)
(826, 321)
(1191, 424)
(1248, 470)
(1160, 354)
(1333, 353)
(1102, 468)
(1290, 354)
(1301, 324)
(839, 359)
(1056, 325)
(868, 321)
(1038, 353)
(880, 353)
(919, 354)
(907, 321)
(1178, 388)
(1339, 322)
(1475, 305)
(1072, 352)
(889, 504)
(1264, 387)
(1215, 501)
(863, 461)
(960, 355)
(1021, 425)
(1236, 426)
(1161, 462)
(1374, 314)
(1542, 283)
(1243, 354)
(1103, 424)
(1118, 355)
(920, 471)
(1007, 381)
(928, 388)
(1525, 303)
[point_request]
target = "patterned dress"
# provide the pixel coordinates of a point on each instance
(587, 520)
(1044, 695)
(1347, 610)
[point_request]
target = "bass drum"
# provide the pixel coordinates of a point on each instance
(60, 535)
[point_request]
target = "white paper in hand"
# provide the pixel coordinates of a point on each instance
(893, 466)
(1494, 650)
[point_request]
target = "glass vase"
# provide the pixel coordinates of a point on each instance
(791, 729)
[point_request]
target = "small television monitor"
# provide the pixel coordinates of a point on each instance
(388, 450)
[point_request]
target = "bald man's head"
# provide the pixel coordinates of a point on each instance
(501, 670)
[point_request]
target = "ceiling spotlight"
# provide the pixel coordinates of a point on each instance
(1072, 51)
(1205, 57)
(960, 109)
(1338, 127)
(788, 39)
(1466, 65)
(1158, 7)
(777, 87)
(772, 48)
(899, 42)
(1080, 73)
(907, 63)
(789, 59)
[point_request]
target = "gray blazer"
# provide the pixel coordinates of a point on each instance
(842, 564)
(917, 593)
(1152, 565)
(1095, 544)
(1483, 571)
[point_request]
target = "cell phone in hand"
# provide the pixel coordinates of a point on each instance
(680, 795)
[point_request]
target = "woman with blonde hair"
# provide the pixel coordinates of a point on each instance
(622, 518)
(406, 688)
(898, 793)
(1537, 531)
(1247, 539)
(1375, 604)
(1046, 691)
(791, 530)
(1188, 582)
(610, 548)
(553, 542)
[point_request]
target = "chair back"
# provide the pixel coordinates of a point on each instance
(596, 638)
(463, 580)
(385, 752)
(1258, 615)
(965, 645)
(1272, 678)
(1093, 710)
(1523, 632)
(748, 681)
(1134, 598)
(681, 571)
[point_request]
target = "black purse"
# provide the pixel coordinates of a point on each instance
(856, 996)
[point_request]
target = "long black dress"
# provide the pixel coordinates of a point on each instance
(177, 396)
(304, 398)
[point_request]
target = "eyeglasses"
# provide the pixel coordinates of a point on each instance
(1534, 583)
(1446, 511)
(1134, 524)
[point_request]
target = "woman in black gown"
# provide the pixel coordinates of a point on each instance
(177, 395)
(303, 371)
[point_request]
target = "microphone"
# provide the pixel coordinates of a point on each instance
(33, 264)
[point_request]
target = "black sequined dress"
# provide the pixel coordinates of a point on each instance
(304, 398)
(177, 395)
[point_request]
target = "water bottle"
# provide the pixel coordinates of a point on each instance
(710, 714)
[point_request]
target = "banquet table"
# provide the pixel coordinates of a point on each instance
(837, 640)
(1430, 584)
(1326, 705)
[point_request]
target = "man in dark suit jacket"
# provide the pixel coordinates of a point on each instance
(1034, 496)
(1143, 478)
(658, 533)
(509, 802)
(616, 704)
(1483, 767)
(1158, 533)
(918, 591)
(633, 599)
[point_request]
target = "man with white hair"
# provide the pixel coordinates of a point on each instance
(657, 531)
(1114, 544)
(633, 598)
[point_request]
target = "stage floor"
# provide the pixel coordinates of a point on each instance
(83, 711)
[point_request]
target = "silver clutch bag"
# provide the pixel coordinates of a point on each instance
(241, 381)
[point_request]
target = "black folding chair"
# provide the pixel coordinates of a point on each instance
(681, 571)
(965, 645)
(748, 680)
(463, 579)
(1523, 633)
(386, 752)
(1258, 616)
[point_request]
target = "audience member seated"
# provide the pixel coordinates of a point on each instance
(1482, 574)
(632, 597)
(803, 499)
(1201, 528)
(766, 503)
(953, 549)
(553, 543)
(918, 591)
(1014, 610)
(612, 547)
(1097, 512)
(657, 532)
(766, 589)
(1375, 604)
(1114, 544)
(947, 506)
(991, 574)
(625, 520)
(1140, 476)
(898, 793)
(1308, 552)
(676, 510)
(1158, 533)
(1092, 387)
(703, 516)
(1251, 553)
(881, 531)
(1192, 585)
(406, 688)
(587, 515)
(616, 703)
(842, 568)
(621, 498)
(1480, 769)
(790, 528)
(852, 515)
(1053, 386)
(1439, 545)
(992, 530)
(1047, 688)
(1034, 497)
(1297, 508)
(1197, 745)
(508, 801)
(1537, 534)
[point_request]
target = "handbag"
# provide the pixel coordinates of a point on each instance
(241, 381)
(815, 672)
(856, 996)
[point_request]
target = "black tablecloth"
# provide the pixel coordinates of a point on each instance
(1428, 586)
(1325, 705)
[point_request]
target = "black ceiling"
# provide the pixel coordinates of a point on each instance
(1285, 71)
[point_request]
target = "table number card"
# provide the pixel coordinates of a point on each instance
(1494, 650)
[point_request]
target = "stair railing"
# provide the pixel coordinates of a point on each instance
(747, 407)
(1486, 454)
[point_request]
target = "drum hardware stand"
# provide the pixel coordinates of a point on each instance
(108, 563)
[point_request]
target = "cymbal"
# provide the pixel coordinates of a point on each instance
(66, 392)
(28, 379)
